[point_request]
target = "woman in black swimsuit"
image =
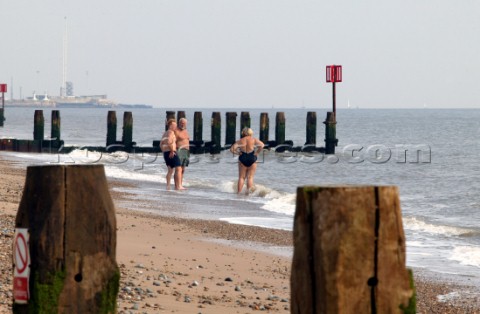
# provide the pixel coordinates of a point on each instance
(245, 147)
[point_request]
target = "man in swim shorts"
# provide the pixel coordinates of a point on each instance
(169, 148)
(183, 145)
(248, 148)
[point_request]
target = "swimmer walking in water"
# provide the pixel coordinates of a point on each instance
(245, 147)
(183, 146)
(169, 148)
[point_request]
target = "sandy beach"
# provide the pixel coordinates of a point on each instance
(171, 265)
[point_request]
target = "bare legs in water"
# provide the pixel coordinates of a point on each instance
(246, 173)
(177, 177)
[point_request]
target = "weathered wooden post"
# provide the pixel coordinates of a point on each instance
(311, 138)
(216, 133)
(230, 127)
(111, 128)
(70, 218)
(55, 130)
(170, 115)
(127, 135)
(197, 126)
(349, 252)
(244, 121)
(3, 90)
(264, 127)
(180, 114)
(330, 133)
(280, 128)
(197, 145)
(38, 125)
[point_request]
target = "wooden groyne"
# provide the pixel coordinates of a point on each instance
(39, 144)
(349, 252)
(197, 143)
(65, 246)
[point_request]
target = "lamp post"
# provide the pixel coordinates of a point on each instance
(38, 75)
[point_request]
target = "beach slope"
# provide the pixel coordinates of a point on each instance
(171, 265)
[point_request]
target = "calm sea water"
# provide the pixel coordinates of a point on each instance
(438, 186)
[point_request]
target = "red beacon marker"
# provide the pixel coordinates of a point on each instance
(334, 75)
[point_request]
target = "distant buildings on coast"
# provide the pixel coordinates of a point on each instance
(67, 99)
(70, 101)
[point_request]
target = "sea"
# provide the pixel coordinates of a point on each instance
(432, 155)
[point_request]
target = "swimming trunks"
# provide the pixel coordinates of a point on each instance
(247, 159)
(184, 156)
(171, 162)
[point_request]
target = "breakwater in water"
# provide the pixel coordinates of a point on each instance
(55, 143)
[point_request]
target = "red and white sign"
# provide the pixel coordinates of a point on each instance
(334, 73)
(21, 261)
(3, 88)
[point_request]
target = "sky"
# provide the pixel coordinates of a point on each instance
(246, 53)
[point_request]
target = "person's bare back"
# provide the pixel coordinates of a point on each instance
(245, 147)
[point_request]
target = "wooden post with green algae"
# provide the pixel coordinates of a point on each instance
(244, 121)
(127, 135)
(197, 126)
(264, 127)
(181, 114)
(70, 217)
(38, 125)
(216, 125)
(280, 128)
(230, 127)
(55, 130)
(311, 129)
(169, 115)
(330, 133)
(111, 128)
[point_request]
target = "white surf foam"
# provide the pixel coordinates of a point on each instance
(283, 203)
(264, 222)
(466, 255)
(120, 173)
(415, 224)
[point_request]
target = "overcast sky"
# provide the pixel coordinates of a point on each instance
(245, 54)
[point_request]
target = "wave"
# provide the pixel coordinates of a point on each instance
(264, 222)
(283, 204)
(120, 173)
(415, 224)
(272, 200)
(466, 255)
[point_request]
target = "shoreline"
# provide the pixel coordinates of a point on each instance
(184, 265)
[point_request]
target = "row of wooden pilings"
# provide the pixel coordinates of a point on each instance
(349, 247)
(197, 144)
(39, 143)
(214, 146)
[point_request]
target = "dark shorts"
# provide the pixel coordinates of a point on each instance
(184, 156)
(247, 159)
(171, 162)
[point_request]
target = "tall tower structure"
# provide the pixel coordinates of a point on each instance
(63, 89)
